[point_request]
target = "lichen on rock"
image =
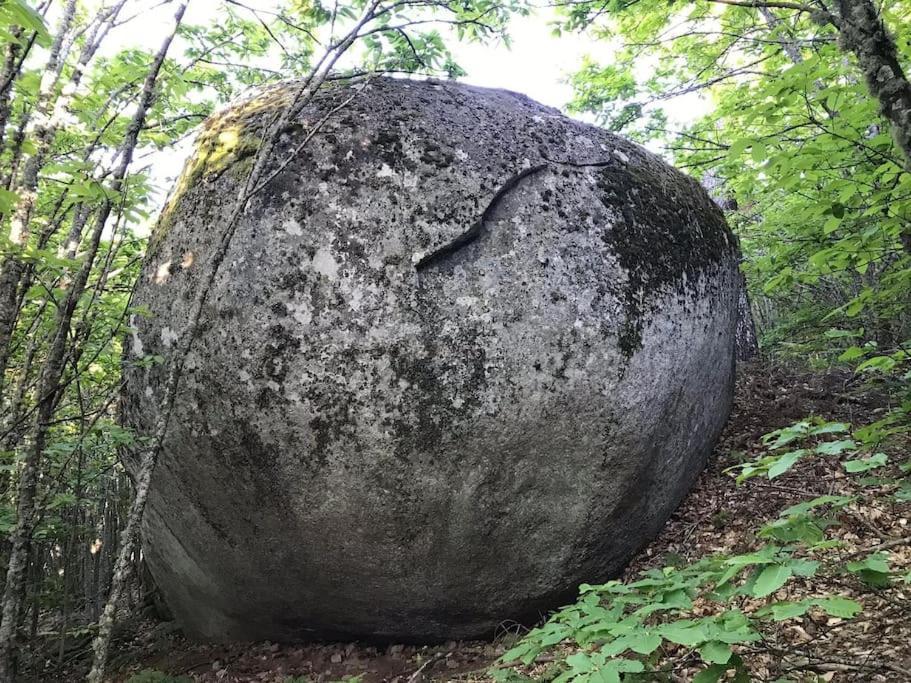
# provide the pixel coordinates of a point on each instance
(463, 354)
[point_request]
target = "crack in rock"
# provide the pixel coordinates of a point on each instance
(475, 231)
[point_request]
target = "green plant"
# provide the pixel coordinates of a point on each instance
(704, 610)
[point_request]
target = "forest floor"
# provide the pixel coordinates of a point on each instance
(717, 516)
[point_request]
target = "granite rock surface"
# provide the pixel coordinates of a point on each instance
(464, 353)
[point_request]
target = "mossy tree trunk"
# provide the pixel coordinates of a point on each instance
(864, 33)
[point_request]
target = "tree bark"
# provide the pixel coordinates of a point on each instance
(45, 130)
(745, 342)
(863, 32)
(106, 622)
(52, 373)
(11, 67)
(788, 46)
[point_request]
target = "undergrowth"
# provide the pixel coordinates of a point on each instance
(708, 619)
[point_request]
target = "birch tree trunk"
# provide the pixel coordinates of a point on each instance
(53, 369)
(45, 130)
(259, 177)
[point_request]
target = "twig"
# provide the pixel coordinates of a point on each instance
(894, 543)
(842, 664)
(416, 676)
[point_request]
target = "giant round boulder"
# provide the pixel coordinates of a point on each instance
(463, 354)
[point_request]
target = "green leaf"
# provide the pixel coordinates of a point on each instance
(8, 200)
(627, 666)
(766, 555)
(872, 570)
(878, 363)
(780, 611)
(524, 652)
(838, 606)
(712, 674)
(836, 447)
(877, 562)
(738, 147)
(807, 506)
(903, 494)
(830, 428)
(606, 674)
(852, 353)
(866, 464)
(782, 437)
(714, 652)
(580, 662)
(785, 462)
(644, 643)
(686, 633)
(803, 567)
(18, 12)
(771, 579)
(802, 528)
(728, 574)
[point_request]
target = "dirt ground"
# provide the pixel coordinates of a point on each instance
(717, 516)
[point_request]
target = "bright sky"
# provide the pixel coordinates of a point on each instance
(537, 64)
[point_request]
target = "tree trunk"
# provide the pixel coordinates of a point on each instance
(11, 67)
(106, 622)
(774, 23)
(864, 33)
(45, 131)
(51, 376)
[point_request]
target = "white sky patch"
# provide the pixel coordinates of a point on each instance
(538, 63)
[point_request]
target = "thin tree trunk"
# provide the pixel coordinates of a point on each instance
(36, 599)
(256, 181)
(45, 131)
(745, 342)
(94, 584)
(69, 562)
(52, 373)
(100, 646)
(790, 48)
(11, 67)
(16, 56)
(12, 432)
(864, 33)
(17, 142)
